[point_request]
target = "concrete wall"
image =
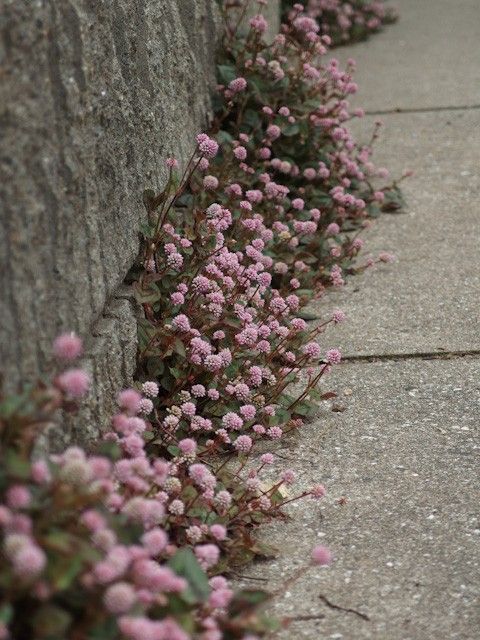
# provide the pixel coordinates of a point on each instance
(94, 95)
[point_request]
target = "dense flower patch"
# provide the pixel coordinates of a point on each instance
(347, 21)
(135, 538)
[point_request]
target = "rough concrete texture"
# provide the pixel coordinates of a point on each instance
(404, 455)
(399, 457)
(428, 301)
(95, 96)
(271, 11)
(428, 59)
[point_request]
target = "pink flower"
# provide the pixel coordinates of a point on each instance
(333, 356)
(243, 444)
(181, 323)
(155, 541)
(188, 409)
(172, 163)
(68, 346)
(338, 316)
(18, 497)
(219, 599)
(298, 204)
(386, 257)
(40, 472)
(332, 229)
(187, 446)
(254, 195)
(176, 507)
(119, 597)
(273, 131)
(29, 561)
(213, 394)
(223, 499)
(218, 531)
(232, 421)
(207, 146)
(150, 389)
(318, 491)
(240, 153)
(146, 406)
(210, 183)
(207, 555)
(177, 298)
(275, 433)
(74, 382)
(322, 556)
(258, 23)
(238, 84)
(93, 520)
(264, 153)
(311, 349)
(129, 400)
(288, 476)
(198, 390)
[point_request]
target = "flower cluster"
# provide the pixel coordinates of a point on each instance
(134, 538)
(346, 21)
(119, 541)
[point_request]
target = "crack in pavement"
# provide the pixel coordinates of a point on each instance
(326, 601)
(385, 112)
(421, 355)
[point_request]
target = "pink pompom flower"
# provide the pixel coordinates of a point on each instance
(322, 556)
(74, 382)
(67, 346)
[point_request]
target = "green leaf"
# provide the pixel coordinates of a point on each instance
(12, 405)
(152, 294)
(291, 130)
(106, 630)
(307, 315)
(16, 466)
(179, 348)
(223, 137)
(247, 599)
(50, 622)
(6, 613)
(66, 572)
(145, 331)
(185, 564)
(393, 200)
(226, 73)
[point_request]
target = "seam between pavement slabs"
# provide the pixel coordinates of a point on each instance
(427, 355)
(384, 112)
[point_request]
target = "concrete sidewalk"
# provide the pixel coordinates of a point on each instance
(404, 451)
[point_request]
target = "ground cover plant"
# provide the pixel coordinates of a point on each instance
(116, 543)
(135, 536)
(346, 21)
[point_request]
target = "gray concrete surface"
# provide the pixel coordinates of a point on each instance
(429, 300)
(404, 454)
(428, 59)
(399, 457)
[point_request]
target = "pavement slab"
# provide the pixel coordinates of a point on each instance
(400, 465)
(399, 455)
(428, 59)
(429, 300)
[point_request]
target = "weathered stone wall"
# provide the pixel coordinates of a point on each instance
(271, 11)
(94, 95)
